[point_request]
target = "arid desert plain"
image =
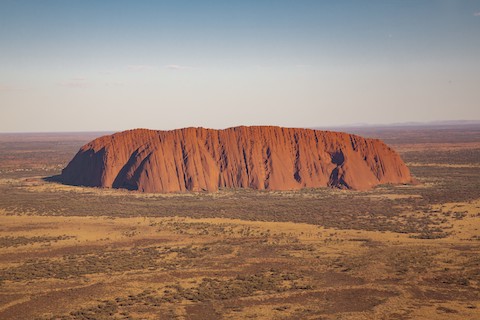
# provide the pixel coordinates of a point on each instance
(396, 252)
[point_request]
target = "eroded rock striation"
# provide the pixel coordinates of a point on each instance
(259, 157)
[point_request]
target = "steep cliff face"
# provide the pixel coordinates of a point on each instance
(272, 158)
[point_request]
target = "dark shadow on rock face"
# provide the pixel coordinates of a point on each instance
(338, 158)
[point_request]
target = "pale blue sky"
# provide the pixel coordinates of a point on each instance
(115, 65)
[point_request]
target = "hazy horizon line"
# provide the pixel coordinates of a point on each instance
(459, 122)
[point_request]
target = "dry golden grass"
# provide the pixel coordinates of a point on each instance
(217, 267)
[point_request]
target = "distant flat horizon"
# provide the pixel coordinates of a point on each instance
(428, 124)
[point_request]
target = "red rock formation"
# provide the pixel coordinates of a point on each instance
(271, 158)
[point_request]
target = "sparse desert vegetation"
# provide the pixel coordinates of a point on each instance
(396, 252)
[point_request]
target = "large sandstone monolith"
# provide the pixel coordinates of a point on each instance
(259, 157)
